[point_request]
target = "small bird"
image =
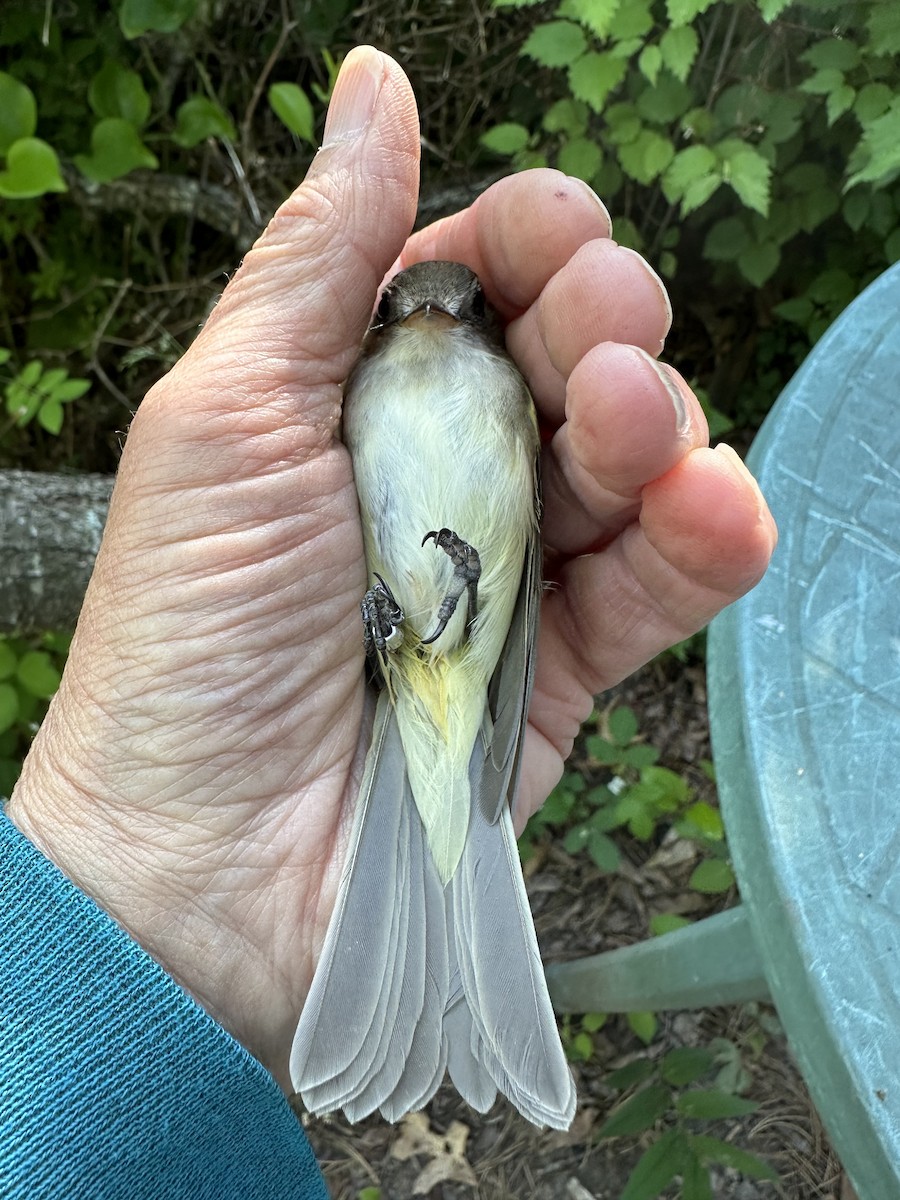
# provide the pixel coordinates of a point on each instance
(430, 963)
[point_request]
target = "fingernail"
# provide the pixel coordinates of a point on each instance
(732, 457)
(738, 468)
(593, 195)
(354, 97)
(656, 279)
(669, 381)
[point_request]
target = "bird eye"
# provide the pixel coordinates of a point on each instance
(478, 304)
(383, 311)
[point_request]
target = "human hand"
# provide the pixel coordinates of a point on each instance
(196, 769)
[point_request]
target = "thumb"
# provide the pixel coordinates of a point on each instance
(292, 318)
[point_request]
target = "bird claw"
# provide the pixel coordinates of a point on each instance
(466, 573)
(382, 620)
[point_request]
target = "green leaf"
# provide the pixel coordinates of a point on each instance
(50, 416)
(603, 851)
(650, 61)
(602, 751)
(662, 788)
(507, 138)
(759, 262)
(841, 54)
(294, 109)
(839, 102)
(594, 76)
(892, 246)
(882, 214)
(682, 12)
(576, 839)
(679, 48)
(58, 641)
(711, 876)
(555, 43)
(633, 19)
(880, 145)
(37, 674)
(662, 923)
(686, 1064)
(580, 1048)
(647, 156)
(822, 82)
(557, 807)
(641, 825)
(872, 100)
(732, 1076)
(708, 1103)
(710, 1149)
(799, 310)
(697, 165)
(748, 173)
(116, 91)
(706, 819)
(9, 706)
(21, 402)
(623, 725)
(580, 157)
(638, 1113)
(623, 123)
(370, 1193)
(695, 1181)
(31, 372)
(5, 355)
(639, 756)
(8, 659)
(593, 1022)
(70, 389)
(18, 111)
(566, 116)
(884, 28)
(162, 16)
(833, 286)
(51, 379)
(32, 169)
(631, 1074)
(626, 49)
(595, 15)
(657, 1167)
(770, 9)
(200, 118)
(644, 1025)
(665, 102)
(116, 149)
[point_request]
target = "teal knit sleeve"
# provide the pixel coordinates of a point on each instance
(114, 1084)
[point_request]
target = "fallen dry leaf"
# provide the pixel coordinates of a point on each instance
(447, 1152)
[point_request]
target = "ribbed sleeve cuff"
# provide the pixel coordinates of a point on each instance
(114, 1083)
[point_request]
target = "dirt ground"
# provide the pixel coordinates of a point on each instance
(450, 1152)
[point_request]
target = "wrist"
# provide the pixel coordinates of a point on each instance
(160, 874)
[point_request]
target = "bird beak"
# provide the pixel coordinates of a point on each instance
(431, 308)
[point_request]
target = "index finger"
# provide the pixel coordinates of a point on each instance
(516, 235)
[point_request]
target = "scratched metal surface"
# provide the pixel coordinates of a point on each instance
(805, 714)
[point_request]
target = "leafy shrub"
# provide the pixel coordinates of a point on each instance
(664, 1092)
(30, 670)
(746, 145)
(124, 199)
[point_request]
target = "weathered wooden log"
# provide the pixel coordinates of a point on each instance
(50, 530)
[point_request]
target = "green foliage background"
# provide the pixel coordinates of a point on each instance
(750, 148)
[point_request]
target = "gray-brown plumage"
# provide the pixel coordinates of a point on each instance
(430, 964)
